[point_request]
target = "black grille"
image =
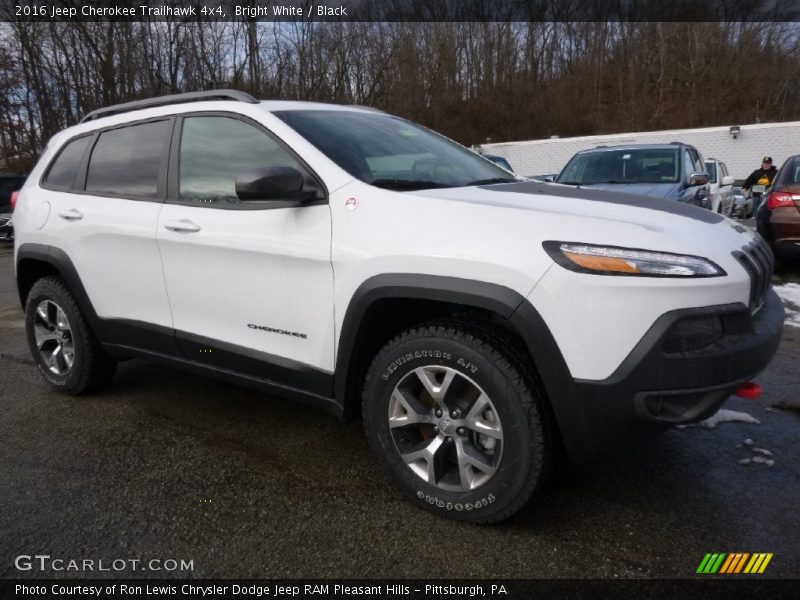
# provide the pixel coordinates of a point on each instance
(759, 262)
(4, 221)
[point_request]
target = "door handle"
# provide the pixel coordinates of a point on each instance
(183, 226)
(71, 215)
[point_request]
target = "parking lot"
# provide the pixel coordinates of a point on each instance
(166, 465)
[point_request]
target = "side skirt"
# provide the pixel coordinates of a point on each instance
(329, 405)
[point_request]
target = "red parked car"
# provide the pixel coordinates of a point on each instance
(778, 218)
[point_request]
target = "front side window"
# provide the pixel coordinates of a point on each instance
(127, 161)
(390, 152)
(215, 150)
(64, 168)
(699, 167)
(711, 169)
(647, 165)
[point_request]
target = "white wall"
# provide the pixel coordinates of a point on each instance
(742, 155)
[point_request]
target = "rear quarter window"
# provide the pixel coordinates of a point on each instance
(65, 167)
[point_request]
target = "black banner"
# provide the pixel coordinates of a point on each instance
(402, 10)
(731, 587)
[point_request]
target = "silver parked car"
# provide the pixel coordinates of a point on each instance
(742, 206)
(673, 171)
(720, 186)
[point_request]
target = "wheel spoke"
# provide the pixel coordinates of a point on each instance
(429, 376)
(42, 335)
(52, 359)
(41, 312)
(470, 460)
(405, 410)
(477, 420)
(480, 406)
(425, 461)
(61, 320)
(68, 351)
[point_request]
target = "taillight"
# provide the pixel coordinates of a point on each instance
(778, 199)
(12, 202)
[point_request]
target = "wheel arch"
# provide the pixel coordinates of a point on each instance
(403, 300)
(35, 261)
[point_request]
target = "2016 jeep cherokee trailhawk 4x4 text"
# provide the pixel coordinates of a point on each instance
(359, 262)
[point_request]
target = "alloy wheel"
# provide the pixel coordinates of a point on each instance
(445, 428)
(54, 339)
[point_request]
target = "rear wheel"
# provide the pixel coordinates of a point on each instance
(65, 349)
(455, 424)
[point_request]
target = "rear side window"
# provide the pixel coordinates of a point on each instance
(127, 161)
(64, 168)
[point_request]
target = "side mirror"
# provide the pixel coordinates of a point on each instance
(727, 180)
(270, 183)
(698, 179)
(550, 178)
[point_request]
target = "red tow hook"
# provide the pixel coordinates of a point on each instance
(749, 390)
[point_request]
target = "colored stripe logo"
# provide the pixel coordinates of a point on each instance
(734, 563)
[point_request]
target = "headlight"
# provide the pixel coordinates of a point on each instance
(612, 260)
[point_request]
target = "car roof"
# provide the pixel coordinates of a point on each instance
(634, 147)
(136, 113)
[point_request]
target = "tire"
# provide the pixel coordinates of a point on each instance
(65, 349)
(439, 460)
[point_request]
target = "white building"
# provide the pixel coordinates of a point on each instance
(742, 153)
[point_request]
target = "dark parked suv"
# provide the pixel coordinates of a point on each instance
(9, 183)
(673, 171)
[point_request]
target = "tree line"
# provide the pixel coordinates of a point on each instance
(472, 81)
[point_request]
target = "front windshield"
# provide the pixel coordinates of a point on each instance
(390, 152)
(647, 165)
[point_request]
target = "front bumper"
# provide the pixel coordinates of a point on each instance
(671, 378)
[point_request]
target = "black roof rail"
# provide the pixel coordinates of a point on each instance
(172, 99)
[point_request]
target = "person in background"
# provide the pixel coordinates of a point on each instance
(762, 176)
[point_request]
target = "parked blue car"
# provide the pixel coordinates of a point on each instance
(673, 171)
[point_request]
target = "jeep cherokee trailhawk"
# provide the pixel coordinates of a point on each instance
(364, 264)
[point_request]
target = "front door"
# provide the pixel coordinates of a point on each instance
(250, 283)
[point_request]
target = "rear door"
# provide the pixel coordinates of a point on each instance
(106, 190)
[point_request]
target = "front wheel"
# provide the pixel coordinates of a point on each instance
(456, 422)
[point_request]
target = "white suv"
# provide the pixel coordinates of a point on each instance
(364, 264)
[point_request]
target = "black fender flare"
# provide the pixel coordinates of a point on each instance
(521, 316)
(61, 262)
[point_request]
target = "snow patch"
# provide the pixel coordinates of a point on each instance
(723, 415)
(790, 294)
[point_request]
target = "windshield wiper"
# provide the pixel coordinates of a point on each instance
(407, 184)
(490, 181)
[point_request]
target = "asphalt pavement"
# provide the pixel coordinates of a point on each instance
(167, 465)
